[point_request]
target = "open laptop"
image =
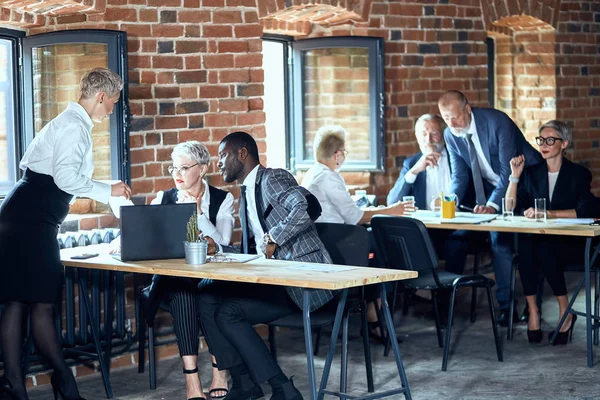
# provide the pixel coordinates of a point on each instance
(154, 232)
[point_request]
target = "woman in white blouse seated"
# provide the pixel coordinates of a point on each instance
(325, 182)
(215, 219)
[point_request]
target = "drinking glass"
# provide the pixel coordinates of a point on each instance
(508, 206)
(410, 199)
(435, 205)
(540, 210)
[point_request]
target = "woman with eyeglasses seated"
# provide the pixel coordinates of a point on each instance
(327, 184)
(215, 219)
(566, 188)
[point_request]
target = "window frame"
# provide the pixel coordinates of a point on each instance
(375, 46)
(117, 62)
(14, 116)
(288, 92)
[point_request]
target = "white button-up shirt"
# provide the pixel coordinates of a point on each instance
(63, 150)
(438, 179)
(255, 227)
(221, 233)
(329, 188)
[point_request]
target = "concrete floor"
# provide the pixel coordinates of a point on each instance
(528, 371)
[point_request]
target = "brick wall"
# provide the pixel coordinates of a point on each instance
(195, 69)
(337, 92)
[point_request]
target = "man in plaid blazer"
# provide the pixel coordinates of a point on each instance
(275, 212)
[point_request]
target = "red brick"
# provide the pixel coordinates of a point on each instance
(251, 118)
(218, 61)
(216, 31)
(148, 16)
(171, 122)
(120, 14)
(162, 31)
(228, 76)
(193, 16)
(248, 31)
(233, 46)
(248, 60)
(167, 62)
(233, 105)
(141, 156)
(227, 17)
(211, 120)
(166, 92)
(214, 91)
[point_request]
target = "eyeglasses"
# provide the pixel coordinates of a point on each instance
(550, 140)
(181, 170)
(344, 152)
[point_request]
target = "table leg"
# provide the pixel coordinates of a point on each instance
(588, 303)
(312, 384)
(83, 295)
(394, 341)
(334, 337)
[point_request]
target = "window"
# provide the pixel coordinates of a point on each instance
(9, 115)
(275, 65)
(53, 64)
(331, 81)
(39, 75)
(340, 81)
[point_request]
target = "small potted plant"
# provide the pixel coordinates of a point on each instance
(195, 246)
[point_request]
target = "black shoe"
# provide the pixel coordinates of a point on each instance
(503, 318)
(563, 337)
(60, 391)
(287, 391)
(535, 336)
(7, 388)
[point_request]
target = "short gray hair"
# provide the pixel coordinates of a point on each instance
(562, 130)
(429, 117)
(452, 96)
(328, 140)
(194, 150)
(100, 80)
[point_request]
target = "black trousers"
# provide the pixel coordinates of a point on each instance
(550, 254)
(227, 313)
(181, 296)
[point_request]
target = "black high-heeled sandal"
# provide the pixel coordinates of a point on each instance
(215, 390)
(563, 337)
(190, 372)
(59, 391)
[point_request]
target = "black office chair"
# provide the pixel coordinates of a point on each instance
(405, 244)
(347, 245)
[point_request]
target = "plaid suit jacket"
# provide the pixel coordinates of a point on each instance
(282, 210)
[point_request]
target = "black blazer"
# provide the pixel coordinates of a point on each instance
(572, 189)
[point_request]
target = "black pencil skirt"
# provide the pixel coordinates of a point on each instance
(30, 216)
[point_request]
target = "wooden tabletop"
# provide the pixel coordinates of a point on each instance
(518, 225)
(271, 272)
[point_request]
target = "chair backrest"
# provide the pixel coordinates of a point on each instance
(404, 243)
(347, 244)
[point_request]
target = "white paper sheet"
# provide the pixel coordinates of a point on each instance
(318, 268)
(115, 204)
(232, 258)
(575, 221)
(469, 219)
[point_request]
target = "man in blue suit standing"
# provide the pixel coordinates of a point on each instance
(481, 142)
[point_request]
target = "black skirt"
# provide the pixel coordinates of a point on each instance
(30, 216)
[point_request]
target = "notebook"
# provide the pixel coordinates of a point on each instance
(154, 232)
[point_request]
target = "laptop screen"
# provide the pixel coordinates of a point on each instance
(154, 232)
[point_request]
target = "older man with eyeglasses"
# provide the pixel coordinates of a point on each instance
(481, 142)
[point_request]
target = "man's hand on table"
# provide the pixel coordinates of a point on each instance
(212, 246)
(484, 210)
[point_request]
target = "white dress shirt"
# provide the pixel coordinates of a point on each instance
(63, 150)
(487, 172)
(255, 227)
(438, 179)
(329, 188)
(221, 233)
(552, 177)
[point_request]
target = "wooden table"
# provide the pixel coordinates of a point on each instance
(551, 227)
(308, 276)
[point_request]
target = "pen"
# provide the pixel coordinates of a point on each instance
(465, 208)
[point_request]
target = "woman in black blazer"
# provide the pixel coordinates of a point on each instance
(566, 188)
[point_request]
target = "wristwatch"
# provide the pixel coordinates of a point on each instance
(269, 239)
